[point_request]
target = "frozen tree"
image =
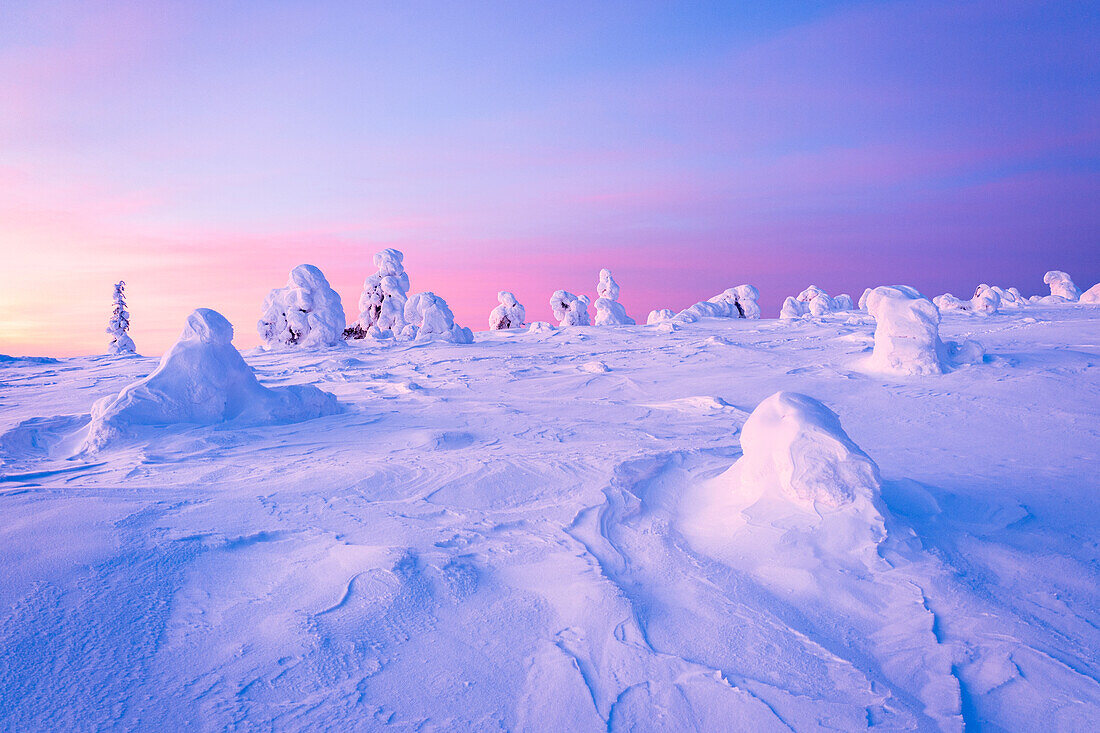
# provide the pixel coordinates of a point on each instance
(907, 331)
(382, 304)
(117, 327)
(428, 318)
(306, 313)
(1062, 285)
(203, 380)
(609, 312)
(736, 302)
(794, 447)
(815, 302)
(569, 309)
(509, 314)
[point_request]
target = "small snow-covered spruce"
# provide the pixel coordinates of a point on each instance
(306, 313)
(117, 327)
(737, 302)
(569, 309)
(609, 311)
(202, 380)
(382, 304)
(1061, 286)
(509, 314)
(815, 302)
(428, 318)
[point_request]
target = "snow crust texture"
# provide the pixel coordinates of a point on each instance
(307, 313)
(202, 380)
(509, 314)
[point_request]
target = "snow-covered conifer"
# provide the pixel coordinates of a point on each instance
(306, 313)
(569, 309)
(385, 293)
(117, 327)
(509, 314)
(609, 311)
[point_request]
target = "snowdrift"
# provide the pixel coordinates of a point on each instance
(1092, 295)
(306, 313)
(736, 302)
(509, 314)
(203, 380)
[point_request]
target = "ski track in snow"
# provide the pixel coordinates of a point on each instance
(500, 536)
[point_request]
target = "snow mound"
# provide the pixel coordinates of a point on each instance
(382, 303)
(1092, 295)
(428, 318)
(814, 302)
(306, 313)
(509, 314)
(907, 331)
(569, 309)
(987, 300)
(540, 327)
(203, 380)
(609, 312)
(736, 302)
(794, 446)
(1061, 284)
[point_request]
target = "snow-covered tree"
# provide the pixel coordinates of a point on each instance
(609, 311)
(1061, 285)
(569, 309)
(813, 301)
(117, 327)
(307, 312)
(509, 314)
(382, 304)
(429, 318)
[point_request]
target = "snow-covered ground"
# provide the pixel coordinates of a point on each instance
(543, 531)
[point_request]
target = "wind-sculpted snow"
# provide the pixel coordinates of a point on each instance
(509, 314)
(1092, 295)
(557, 529)
(202, 380)
(306, 313)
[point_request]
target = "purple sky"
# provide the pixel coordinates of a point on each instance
(199, 151)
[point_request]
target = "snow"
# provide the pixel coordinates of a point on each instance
(1092, 295)
(569, 309)
(507, 535)
(121, 343)
(736, 302)
(428, 318)
(202, 380)
(385, 293)
(609, 312)
(307, 313)
(1061, 285)
(509, 314)
(907, 332)
(813, 302)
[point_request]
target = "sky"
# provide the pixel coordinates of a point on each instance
(199, 151)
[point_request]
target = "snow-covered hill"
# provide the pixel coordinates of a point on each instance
(548, 531)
